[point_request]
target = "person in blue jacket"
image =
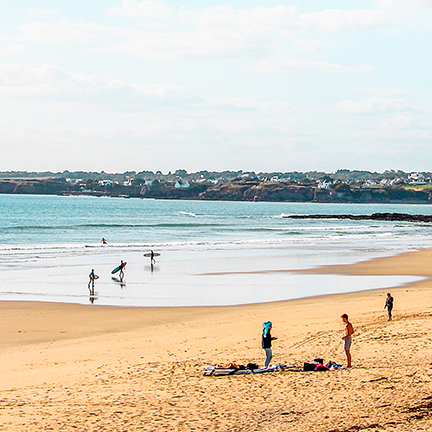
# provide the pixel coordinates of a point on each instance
(266, 342)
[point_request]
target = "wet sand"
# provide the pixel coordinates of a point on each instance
(74, 367)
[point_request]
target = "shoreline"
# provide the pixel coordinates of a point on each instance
(197, 277)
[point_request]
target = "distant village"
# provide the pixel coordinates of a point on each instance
(340, 186)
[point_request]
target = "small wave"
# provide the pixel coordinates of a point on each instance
(283, 215)
(191, 214)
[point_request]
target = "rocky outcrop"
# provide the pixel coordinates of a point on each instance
(399, 217)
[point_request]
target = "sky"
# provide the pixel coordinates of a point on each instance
(122, 85)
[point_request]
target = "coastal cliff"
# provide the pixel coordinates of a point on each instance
(235, 190)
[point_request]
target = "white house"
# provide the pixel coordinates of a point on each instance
(323, 184)
(182, 184)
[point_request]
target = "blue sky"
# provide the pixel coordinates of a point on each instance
(121, 85)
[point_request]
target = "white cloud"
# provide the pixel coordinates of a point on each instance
(60, 32)
(416, 13)
(11, 50)
(397, 122)
(259, 19)
(243, 104)
(372, 105)
(50, 82)
(284, 66)
(311, 45)
(331, 20)
(404, 5)
(228, 32)
(149, 10)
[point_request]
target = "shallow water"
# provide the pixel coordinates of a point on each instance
(49, 244)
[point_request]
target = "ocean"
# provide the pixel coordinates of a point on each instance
(209, 249)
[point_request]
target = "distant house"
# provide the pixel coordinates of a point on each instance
(248, 175)
(323, 184)
(368, 183)
(417, 178)
(182, 184)
(148, 182)
(385, 182)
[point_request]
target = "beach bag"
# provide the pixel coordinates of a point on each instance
(307, 367)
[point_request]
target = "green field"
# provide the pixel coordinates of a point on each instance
(419, 187)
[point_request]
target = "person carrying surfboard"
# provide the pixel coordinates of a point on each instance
(152, 254)
(122, 266)
(92, 277)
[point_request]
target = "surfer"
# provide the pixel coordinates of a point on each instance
(104, 241)
(121, 274)
(152, 260)
(92, 278)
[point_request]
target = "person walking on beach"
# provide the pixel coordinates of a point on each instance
(266, 342)
(389, 305)
(347, 338)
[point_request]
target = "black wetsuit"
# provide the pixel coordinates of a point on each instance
(266, 340)
(389, 305)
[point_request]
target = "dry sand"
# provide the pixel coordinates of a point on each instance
(91, 368)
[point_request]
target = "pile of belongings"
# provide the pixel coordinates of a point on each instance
(233, 369)
(318, 366)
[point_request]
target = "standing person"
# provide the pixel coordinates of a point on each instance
(347, 338)
(92, 278)
(152, 260)
(122, 266)
(389, 305)
(266, 342)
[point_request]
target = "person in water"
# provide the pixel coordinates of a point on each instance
(104, 241)
(266, 342)
(122, 266)
(91, 283)
(347, 338)
(389, 305)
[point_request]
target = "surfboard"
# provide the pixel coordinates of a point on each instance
(118, 268)
(96, 276)
(149, 254)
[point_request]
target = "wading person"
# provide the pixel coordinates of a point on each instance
(266, 342)
(92, 278)
(347, 338)
(121, 273)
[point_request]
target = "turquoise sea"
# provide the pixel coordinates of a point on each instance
(48, 245)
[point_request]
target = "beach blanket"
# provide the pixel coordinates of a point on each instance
(221, 371)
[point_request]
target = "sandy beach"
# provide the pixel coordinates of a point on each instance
(84, 367)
